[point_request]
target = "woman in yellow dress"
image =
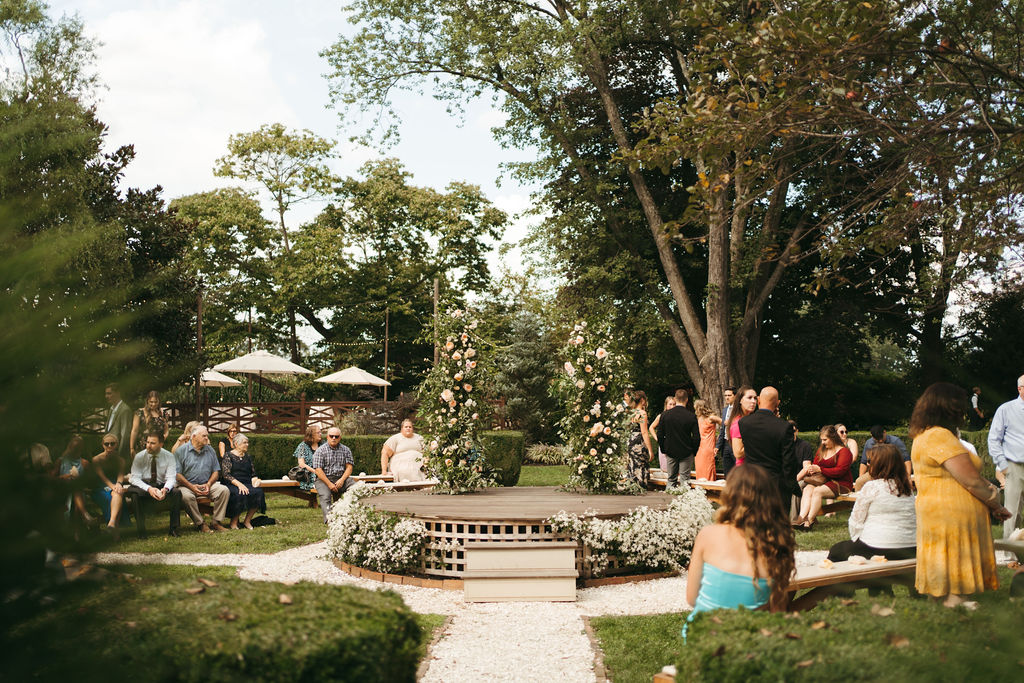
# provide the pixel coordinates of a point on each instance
(955, 556)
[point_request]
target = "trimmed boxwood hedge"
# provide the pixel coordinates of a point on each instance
(151, 629)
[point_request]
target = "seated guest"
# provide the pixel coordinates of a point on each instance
(184, 436)
(105, 477)
(228, 442)
(333, 464)
(304, 455)
(68, 468)
(883, 521)
(746, 558)
(239, 475)
(402, 454)
(848, 441)
(152, 479)
(878, 437)
(198, 470)
(827, 476)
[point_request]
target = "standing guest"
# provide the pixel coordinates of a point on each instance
(119, 422)
(723, 446)
(747, 557)
(747, 400)
(304, 455)
(638, 450)
(105, 478)
(227, 443)
(848, 441)
(879, 437)
(239, 475)
(670, 402)
(768, 442)
(828, 475)
(883, 521)
(680, 438)
(1006, 446)
(152, 480)
(198, 469)
(402, 454)
(149, 418)
(955, 556)
(976, 413)
(707, 421)
(333, 464)
(185, 435)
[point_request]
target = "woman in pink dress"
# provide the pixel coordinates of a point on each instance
(745, 404)
(707, 421)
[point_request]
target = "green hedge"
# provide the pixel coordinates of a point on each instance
(505, 451)
(151, 629)
(978, 439)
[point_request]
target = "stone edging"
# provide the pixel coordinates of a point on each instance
(456, 584)
(600, 671)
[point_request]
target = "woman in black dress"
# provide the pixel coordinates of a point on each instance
(148, 418)
(239, 475)
(639, 448)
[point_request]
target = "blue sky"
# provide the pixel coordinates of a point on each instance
(181, 76)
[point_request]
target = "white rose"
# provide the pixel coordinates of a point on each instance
(569, 369)
(600, 353)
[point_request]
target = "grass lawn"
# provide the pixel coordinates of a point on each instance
(543, 475)
(297, 525)
(143, 619)
(919, 641)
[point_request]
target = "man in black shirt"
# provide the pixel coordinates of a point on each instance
(679, 438)
(768, 442)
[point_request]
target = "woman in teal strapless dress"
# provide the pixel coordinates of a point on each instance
(746, 558)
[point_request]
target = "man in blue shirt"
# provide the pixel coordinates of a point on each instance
(198, 470)
(878, 437)
(1006, 446)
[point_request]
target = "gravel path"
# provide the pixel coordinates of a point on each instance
(502, 641)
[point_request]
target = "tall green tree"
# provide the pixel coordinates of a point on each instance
(292, 168)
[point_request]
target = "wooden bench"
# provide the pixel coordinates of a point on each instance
(1015, 547)
(822, 583)
(714, 489)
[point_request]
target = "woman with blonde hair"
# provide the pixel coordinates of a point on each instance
(747, 557)
(185, 435)
(707, 421)
(827, 476)
(670, 403)
(149, 418)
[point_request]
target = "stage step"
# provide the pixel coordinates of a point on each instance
(520, 571)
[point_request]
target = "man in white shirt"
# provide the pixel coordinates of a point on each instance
(152, 482)
(1006, 447)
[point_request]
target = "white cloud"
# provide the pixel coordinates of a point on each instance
(179, 91)
(491, 118)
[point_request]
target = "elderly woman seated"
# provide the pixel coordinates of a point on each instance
(402, 455)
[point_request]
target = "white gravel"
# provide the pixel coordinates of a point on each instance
(502, 641)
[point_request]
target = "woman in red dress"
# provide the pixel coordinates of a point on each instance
(704, 463)
(828, 476)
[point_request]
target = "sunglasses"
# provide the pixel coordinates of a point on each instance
(334, 436)
(110, 443)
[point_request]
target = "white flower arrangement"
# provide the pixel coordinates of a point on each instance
(644, 539)
(365, 537)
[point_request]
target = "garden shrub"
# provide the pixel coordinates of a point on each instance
(505, 451)
(233, 631)
(546, 454)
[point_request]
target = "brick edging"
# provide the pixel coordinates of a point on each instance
(456, 584)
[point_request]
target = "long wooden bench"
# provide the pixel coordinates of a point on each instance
(821, 582)
(714, 489)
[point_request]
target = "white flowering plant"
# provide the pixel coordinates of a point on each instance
(590, 388)
(379, 540)
(644, 539)
(453, 407)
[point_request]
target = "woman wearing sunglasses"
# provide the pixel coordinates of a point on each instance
(848, 441)
(105, 474)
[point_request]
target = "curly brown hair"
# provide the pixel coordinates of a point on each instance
(751, 503)
(941, 405)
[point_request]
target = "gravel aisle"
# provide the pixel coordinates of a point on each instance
(507, 641)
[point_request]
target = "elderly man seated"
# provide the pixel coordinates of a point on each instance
(333, 465)
(152, 481)
(198, 471)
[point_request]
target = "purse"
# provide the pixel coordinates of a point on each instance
(816, 479)
(300, 474)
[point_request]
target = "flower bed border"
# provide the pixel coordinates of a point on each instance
(456, 584)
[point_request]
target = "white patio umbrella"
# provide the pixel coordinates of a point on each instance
(212, 378)
(261, 363)
(353, 375)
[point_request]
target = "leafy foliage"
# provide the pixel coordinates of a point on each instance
(365, 537)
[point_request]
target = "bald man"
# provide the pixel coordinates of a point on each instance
(768, 442)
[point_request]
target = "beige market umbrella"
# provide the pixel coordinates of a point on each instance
(212, 378)
(353, 375)
(261, 363)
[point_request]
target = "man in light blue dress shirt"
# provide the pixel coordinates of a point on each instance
(1006, 446)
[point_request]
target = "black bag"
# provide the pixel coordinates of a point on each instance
(263, 520)
(300, 474)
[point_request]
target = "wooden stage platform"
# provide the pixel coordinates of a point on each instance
(512, 504)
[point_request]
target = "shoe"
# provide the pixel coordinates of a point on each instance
(217, 526)
(205, 529)
(174, 532)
